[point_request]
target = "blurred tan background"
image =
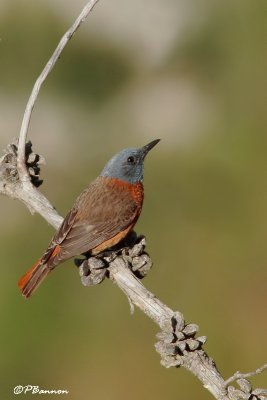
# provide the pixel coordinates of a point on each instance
(192, 72)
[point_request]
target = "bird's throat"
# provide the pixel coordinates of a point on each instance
(136, 190)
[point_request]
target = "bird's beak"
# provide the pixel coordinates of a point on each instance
(149, 146)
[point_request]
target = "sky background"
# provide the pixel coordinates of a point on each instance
(193, 73)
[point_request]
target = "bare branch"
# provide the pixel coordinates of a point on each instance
(11, 185)
(26, 191)
(138, 294)
(178, 345)
(37, 86)
(239, 375)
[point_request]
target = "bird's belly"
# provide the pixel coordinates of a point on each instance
(111, 242)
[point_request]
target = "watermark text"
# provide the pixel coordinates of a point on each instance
(37, 390)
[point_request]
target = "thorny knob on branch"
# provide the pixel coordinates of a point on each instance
(93, 270)
(245, 391)
(8, 163)
(176, 340)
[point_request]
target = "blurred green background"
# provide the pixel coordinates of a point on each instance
(194, 74)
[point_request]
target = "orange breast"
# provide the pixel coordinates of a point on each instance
(136, 190)
(137, 194)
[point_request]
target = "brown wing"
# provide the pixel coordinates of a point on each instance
(100, 212)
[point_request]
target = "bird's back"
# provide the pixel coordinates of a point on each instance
(104, 210)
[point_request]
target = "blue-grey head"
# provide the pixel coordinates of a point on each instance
(128, 164)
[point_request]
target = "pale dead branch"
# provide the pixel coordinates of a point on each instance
(178, 342)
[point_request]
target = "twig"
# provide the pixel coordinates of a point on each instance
(34, 200)
(10, 185)
(178, 345)
(23, 173)
(239, 375)
(138, 294)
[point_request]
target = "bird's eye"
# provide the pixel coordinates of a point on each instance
(130, 160)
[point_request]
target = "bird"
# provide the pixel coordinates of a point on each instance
(100, 218)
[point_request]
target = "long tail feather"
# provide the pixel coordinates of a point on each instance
(29, 282)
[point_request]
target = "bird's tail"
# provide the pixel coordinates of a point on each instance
(29, 282)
